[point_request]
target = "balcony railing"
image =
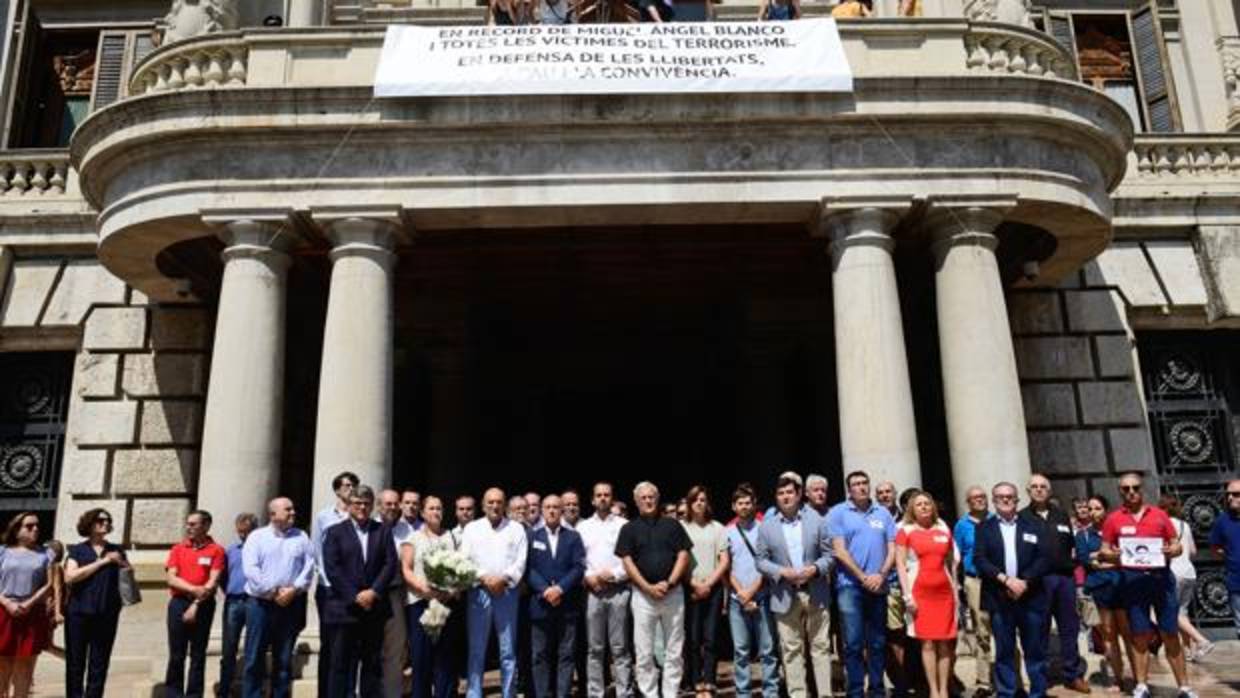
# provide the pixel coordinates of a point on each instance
(347, 56)
(1186, 157)
(36, 174)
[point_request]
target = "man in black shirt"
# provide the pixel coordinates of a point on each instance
(1059, 585)
(655, 553)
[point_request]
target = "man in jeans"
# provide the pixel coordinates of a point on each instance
(749, 610)
(234, 605)
(1225, 541)
(863, 536)
(965, 535)
(194, 567)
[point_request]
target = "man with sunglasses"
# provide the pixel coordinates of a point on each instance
(1059, 584)
(1145, 584)
(1225, 541)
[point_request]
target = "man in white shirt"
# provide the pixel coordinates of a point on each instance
(497, 546)
(343, 486)
(607, 600)
(465, 509)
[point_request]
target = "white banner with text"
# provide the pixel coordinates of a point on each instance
(796, 56)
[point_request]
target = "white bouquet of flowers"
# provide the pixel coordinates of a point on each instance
(450, 572)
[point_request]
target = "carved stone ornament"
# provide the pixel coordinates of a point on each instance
(189, 18)
(1009, 11)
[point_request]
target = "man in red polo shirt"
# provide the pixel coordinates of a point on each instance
(194, 567)
(1142, 539)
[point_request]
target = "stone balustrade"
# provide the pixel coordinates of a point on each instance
(339, 56)
(34, 173)
(1004, 48)
(1186, 156)
(1229, 49)
(217, 61)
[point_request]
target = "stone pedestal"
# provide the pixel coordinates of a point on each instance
(355, 387)
(240, 466)
(981, 390)
(878, 433)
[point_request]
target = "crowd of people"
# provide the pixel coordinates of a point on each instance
(577, 603)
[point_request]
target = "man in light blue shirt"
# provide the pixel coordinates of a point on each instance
(236, 603)
(749, 613)
(278, 560)
(863, 536)
(343, 486)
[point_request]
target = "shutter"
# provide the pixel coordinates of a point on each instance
(1152, 69)
(1060, 28)
(109, 69)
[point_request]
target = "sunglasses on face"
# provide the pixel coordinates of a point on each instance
(1233, 494)
(1005, 497)
(30, 526)
(106, 522)
(1129, 488)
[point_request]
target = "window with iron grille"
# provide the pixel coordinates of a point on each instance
(34, 401)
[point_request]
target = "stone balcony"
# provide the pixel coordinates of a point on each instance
(941, 108)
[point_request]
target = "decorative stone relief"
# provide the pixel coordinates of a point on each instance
(1008, 11)
(188, 18)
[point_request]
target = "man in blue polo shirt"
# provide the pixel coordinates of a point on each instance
(1225, 540)
(863, 536)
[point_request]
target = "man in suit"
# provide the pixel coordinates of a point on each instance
(1012, 555)
(794, 555)
(556, 566)
(358, 561)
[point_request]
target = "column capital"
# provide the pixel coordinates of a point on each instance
(372, 232)
(966, 222)
(264, 234)
(860, 222)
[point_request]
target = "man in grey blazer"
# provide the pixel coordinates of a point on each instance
(794, 554)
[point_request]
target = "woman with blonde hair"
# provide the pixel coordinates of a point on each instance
(926, 562)
(25, 584)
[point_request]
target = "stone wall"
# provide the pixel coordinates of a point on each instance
(1084, 406)
(135, 419)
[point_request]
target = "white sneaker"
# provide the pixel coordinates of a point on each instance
(1141, 691)
(1202, 651)
(1187, 692)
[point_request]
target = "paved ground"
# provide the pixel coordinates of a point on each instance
(1217, 676)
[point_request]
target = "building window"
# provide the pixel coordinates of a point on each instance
(68, 73)
(34, 402)
(1123, 55)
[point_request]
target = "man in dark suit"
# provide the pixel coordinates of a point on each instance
(1011, 556)
(555, 568)
(359, 561)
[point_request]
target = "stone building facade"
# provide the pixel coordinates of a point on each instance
(228, 272)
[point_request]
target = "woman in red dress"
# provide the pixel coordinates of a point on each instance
(926, 561)
(25, 583)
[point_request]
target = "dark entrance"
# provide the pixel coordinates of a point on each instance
(544, 360)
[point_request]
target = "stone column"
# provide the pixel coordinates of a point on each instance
(240, 465)
(355, 386)
(877, 431)
(985, 415)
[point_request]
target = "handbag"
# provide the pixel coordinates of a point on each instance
(127, 585)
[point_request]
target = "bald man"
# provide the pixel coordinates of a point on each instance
(497, 546)
(278, 560)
